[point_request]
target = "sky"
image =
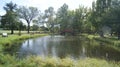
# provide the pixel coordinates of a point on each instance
(44, 4)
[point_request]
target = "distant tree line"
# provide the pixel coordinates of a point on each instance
(104, 13)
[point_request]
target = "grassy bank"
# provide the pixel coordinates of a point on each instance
(7, 42)
(112, 40)
(14, 38)
(33, 61)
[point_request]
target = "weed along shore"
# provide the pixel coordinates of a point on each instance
(35, 61)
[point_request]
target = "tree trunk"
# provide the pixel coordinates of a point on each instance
(19, 31)
(118, 35)
(12, 31)
(101, 33)
(28, 27)
(20, 26)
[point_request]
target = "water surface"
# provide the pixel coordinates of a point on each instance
(68, 46)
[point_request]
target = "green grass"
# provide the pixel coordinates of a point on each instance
(8, 42)
(15, 31)
(13, 38)
(90, 36)
(35, 61)
(112, 40)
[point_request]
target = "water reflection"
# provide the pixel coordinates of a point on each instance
(73, 46)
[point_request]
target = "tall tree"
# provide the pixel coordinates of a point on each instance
(10, 18)
(99, 10)
(79, 19)
(62, 14)
(40, 20)
(28, 14)
(113, 17)
(49, 15)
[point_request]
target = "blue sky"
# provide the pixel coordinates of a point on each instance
(44, 4)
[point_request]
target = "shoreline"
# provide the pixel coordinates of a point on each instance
(113, 41)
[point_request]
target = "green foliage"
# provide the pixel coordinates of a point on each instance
(105, 13)
(28, 14)
(75, 20)
(35, 28)
(81, 20)
(62, 16)
(49, 15)
(10, 18)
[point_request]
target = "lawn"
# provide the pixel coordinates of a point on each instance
(17, 32)
(8, 31)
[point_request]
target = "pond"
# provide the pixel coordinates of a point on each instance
(75, 47)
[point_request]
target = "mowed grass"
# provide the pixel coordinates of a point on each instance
(15, 31)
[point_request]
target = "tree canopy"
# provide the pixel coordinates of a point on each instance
(103, 14)
(28, 14)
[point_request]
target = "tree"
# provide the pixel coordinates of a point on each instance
(28, 14)
(87, 26)
(100, 8)
(35, 27)
(10, 18)
(40, 20)
(73, 21)
(106, 13)
(49, 15)
(113, 17)
(79, 19)
(62, 14)
(20, 27)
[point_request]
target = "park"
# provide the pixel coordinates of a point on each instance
(83, 37)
